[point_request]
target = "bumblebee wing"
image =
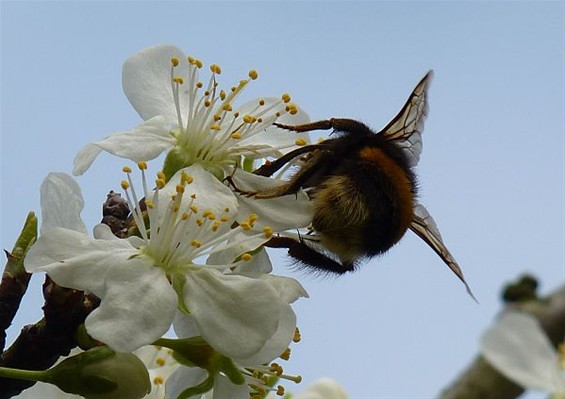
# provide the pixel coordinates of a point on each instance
(425, 227)
(407, 127)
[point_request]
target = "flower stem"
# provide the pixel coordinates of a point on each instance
(30, 375)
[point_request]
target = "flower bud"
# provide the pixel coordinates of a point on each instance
(101, 373)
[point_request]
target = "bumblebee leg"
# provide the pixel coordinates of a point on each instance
(268, 169)
(308, 257)
(340, 124)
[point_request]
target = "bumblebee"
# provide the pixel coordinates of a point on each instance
(363, 189)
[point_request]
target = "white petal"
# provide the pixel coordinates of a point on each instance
(146, 79)
(518, 348)
(137, 307)
(74, 260)
(185, 325)
(142, 143)
(183, 378)
(287, 212)
(45, 390)
(235, 314)
(278, 342)
(225, 389)
(61, 203)
(259, 263)
(288, 288)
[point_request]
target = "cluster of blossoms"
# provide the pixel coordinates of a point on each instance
(192, 259)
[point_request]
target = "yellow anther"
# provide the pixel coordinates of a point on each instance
(285, 97)
(296, 337)
(267, 232)
(199, 222)
(292, 109)
(216, 127)
(259, 120)
(207, 103)
(227, 107)
(184, 216)
(176, 208)
(236, 114)
(178, 79)
(196, 243)
(235, 136)
(149, 204)
(249, 118)
(160, 183)
(194, 208)
(206, 213)
(222, 95)
(158, 380)
(245, 226)
(175, 61)
(160, 361)
(224, 219)
(277, 114)
(198, 63)
(286, 354)
(246, 257)
(215, 68)
(233, 88)
(253, 217)
(180, 188)
(126, 169)
(280, 390)
(193, 196)
(211, 216)
(253, 74)
(301, 141)
(216, 226)
(199, 85)
(227, 210)
(191, 60)
(217, 118)
(261, 102)
(142, 165)
(161, 175)
(185, 178)
(124, 184)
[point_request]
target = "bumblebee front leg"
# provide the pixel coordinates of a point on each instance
(339, 124)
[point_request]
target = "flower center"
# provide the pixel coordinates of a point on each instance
(209, 131)
(174, 230)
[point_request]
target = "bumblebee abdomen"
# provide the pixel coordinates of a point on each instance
(365, 206)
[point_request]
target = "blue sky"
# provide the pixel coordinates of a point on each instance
(491, 173)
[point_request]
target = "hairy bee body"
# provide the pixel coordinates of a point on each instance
(362, 187)
(363, 202)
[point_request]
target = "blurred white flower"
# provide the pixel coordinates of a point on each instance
(143, 280)
(195, 122)
(160, 364)
(324, 388)
(518, 347)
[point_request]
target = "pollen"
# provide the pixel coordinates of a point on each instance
(215, 68)
(253, 74)
(196, 243)
(280, 390)
(216, 226)
(267, 232)
(249, 118)
(158, 380)
(286, 98)
(199, 85)
(286, 354)
(178, 79)
(246, 257)
(184, 216)
(194, 208)
(186, 178)
(175, 61)
(301, 141)
(235, 136)
(216, 127)
(180, 189)
(126, 169)
(297, 337)
(142, 165)
(160, 183)
(160, 361)
(227, 107)
(292, 109)
(222, 95)
(245, 226)
(124, 184)
(224, 219)
(149, 204)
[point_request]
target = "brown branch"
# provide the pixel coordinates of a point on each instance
(15, 278)
(39, 345)
(482, 381)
